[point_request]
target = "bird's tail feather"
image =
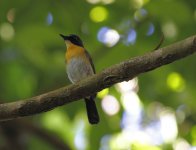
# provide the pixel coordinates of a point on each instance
(92, 113)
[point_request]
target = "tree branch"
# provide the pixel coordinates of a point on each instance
(123, 71)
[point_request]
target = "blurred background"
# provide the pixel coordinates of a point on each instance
(154, 111)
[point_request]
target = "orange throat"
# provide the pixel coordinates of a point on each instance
(73, 51)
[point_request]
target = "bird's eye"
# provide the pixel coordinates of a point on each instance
(76, 38)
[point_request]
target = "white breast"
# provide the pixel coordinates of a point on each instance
(78, 69)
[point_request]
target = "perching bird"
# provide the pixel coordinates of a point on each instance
(79, 65)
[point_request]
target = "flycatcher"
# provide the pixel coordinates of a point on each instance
(79, 65)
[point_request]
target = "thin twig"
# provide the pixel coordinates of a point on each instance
(160, 42)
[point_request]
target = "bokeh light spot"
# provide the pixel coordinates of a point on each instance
(141, 146)
(192, 148)
(6, 31)
(133, 109)
(49, 18)
(107, 1)
(11, 15)
(110, 105)
(99, 1)
(127, 86)
(181, 144)
(180, 113)
(170, 30)
(175, 82)
(138, 3)
(54, 120)
(108, 36)
(150, 30)
(79, 139)
(193, 135)
(140, 14)
(105, 140)
(103, 93)
(93, 1)
(169, 130)
(98, 14)
(131, 38)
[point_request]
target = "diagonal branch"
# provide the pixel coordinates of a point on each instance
(123, 71)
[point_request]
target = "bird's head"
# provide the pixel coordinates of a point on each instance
(72, 39)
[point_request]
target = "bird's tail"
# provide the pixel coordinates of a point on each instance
(92, 113)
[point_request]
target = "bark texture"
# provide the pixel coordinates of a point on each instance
(123, 71)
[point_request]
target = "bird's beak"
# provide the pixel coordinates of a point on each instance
(64, 37)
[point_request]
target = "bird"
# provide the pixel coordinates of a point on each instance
(79, 65)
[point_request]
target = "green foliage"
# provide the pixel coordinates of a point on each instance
(32, 62)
